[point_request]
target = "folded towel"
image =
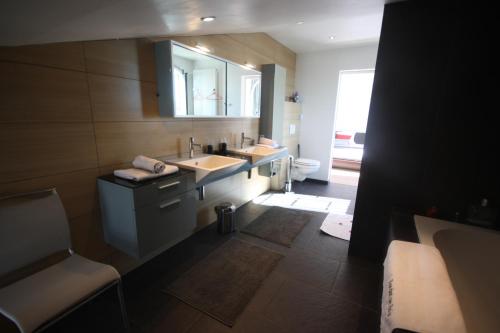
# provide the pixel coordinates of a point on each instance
(418, 294)
(140, 175)
(274, 145)
(148, 164)
(267, 142)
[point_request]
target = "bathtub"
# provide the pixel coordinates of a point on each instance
(472, 258)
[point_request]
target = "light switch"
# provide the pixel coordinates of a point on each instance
(292, 129)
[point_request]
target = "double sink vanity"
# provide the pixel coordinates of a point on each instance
(209, 168)
(143, 219)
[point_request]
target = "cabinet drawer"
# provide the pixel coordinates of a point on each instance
(166, 223)
(159, 191)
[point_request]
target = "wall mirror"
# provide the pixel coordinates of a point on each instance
(195, 84)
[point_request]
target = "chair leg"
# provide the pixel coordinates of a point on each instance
(123, 309)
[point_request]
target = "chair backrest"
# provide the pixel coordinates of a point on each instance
(32, 226)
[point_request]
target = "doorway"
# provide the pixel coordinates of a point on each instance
(351, 116)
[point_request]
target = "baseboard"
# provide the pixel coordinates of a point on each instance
(316, 181)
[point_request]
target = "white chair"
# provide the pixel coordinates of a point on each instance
(33, 227)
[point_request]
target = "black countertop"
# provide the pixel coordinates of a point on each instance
(133, 184)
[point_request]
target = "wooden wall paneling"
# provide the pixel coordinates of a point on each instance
(127, 58)
(211, 131)
(77, 190)
(59, 55)
(255, 58)
(250, 127)
(206, 210)
(290, 81)
(186, 40)
(118, 99)
(284, 56)
(88, 238)
(224, 47)
(260, 43)
(220, 45)
(120, 142)
(35, 150)
(251, 188)
(34, 93)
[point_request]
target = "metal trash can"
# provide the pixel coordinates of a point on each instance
(225, 217)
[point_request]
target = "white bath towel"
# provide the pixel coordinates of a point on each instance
(148, 164)
(140, 175)
(267, 142)
(417, 293)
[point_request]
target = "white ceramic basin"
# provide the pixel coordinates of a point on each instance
(258, 153)
(209, 165)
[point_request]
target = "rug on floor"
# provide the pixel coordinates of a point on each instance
(224, 282)
(278, 225)
(338, 225)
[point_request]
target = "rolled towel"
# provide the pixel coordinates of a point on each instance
(268, 142)
(148, 164)
(140, 175)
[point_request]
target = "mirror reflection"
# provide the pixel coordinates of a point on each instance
(243, 91)
(205, 86)
(199, 83)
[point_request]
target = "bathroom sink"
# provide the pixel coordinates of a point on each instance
(209, 166)
(260, 154)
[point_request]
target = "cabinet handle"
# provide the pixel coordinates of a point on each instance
(170, 203)
(162, 187)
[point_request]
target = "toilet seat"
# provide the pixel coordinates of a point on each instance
(306, 162)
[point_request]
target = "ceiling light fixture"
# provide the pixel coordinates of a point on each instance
(300, 22)
(202, 48)
(249, 65)
(331, 37)
(207, 18)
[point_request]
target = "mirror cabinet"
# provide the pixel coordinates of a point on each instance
(192, 83)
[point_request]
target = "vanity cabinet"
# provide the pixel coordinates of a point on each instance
(141, 218)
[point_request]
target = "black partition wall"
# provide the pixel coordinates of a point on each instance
(432, 135)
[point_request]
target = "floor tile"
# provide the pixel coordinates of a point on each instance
(179, 319)
(310, 269)
(359, 284)
(207, 324)
(300, 308)
(326, 246)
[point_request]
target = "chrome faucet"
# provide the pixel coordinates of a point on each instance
(191, 147)
(243, 138)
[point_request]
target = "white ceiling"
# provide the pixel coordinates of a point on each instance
(45, 21)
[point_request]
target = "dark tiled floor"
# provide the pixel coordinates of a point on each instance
(333, 190)
(315, 288)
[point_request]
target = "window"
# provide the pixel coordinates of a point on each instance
(351, 115)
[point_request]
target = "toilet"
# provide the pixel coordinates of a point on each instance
(302, 167)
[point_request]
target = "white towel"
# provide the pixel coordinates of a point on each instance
(417, 293)
(140, 175)
(268, 142)
(148, 164)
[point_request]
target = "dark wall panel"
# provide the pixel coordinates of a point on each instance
(430, 92)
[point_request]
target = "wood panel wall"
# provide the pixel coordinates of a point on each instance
(70, 112)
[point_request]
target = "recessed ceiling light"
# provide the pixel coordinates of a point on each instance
(207, 18)
(332, 37)
(202, 48)
(300, 22)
